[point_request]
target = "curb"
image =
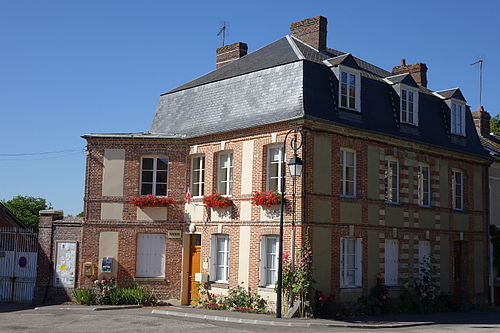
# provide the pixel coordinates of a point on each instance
(94, 308)
(285, 323)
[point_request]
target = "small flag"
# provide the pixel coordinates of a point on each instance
(188, 196)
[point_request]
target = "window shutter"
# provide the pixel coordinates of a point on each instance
(391, 262)
(359, 256)
(213, 254)
(263, 264)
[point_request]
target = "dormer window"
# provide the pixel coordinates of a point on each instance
(407, 107)
(349, 89)
(457, 119)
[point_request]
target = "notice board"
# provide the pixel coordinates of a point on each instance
(65, 264)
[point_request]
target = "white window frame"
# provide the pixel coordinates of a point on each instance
(389, 186)
(214, 264)
(280, 163)
(343, 178)
(225, 187)
(399, 90)
(198, 185)
(265, 270)
(460, 192)
(424, 192)
(140, 271)
(391, 262)
(357, 269)
(155, 169)
(457, 123)
(357, 74)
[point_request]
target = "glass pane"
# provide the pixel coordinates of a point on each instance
(352, 81)
(349, 157)
(273, 170)
(161, 164)
(161, 176)
(220, 273)
(220, 258)
(274, 154)
(410, 96)
(161, 189)
(196, 176)
(343, 99)
(350, 246)
(403, 96)
(146, 189)
(147, 176)
(273, 184)
(350, 278)
(147, 164)
(352, 99)
(350, 188)
(271, 245)
(343, 77)
(349, 173)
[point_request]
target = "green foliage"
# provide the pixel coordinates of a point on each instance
(79, 214)
(26, 209)
(325, 307)
(238, 299)
(378, 300)
(84, 296)
(495, 239)
(495, 125)
(130, 295)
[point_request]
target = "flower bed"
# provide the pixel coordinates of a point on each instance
(216, 200)
(151, 201)
(239, 299)
(266, 198)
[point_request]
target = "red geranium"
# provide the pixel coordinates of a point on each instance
(216, 200)
(266, 198)
(151, 201)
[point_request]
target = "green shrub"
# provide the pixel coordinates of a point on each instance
(239, 299)
(84, 296)
(377, 301)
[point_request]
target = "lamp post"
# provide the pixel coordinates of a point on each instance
(295, 165)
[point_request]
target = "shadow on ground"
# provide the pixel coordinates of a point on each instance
(12, 307)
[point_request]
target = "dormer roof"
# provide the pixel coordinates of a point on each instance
(344, 60)
(404, 78)
(454, 93)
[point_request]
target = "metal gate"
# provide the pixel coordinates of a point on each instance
(18, 257)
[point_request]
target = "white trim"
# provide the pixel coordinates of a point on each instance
(357, 269)
(263, 278)
(281, 172)
(295, 49)
(391, 262)
(155, 169)
(202, 181)
(399, 87)
(463, 110)
(343, 173)
(337, 70)
(388, 179)
(214, 263)
(420, 186)
(453, 189)
(228, 191)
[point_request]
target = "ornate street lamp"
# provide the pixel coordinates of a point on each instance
(295, 165)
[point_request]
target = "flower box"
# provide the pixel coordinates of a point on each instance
(266, 198)
(216, 200)
(151, 201)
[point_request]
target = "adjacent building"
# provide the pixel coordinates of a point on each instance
(393, 173)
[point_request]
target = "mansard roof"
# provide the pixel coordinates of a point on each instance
(289, 80)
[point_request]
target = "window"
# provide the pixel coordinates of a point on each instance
(349, 90)
(391, 181)
(198, 176)
(391, 262)
(457, 119)
(225, 174)
(408, 106)
(268, 261)
(220, 258)
(458, 190)
(348, 177)
(275, 168)
(154, 176)
(350, 262)
(150, 260)
(424, 186)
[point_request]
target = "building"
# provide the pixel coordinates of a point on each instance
(393, 173)
(9, 220)
(491, 143)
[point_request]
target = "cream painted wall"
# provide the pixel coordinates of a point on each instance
(114, 166)
(220, 215)
(350, 212)
(108, 247)
(247, 167)
(461, 221)
(374, 156)
(219, 291)
(322, 211)
(193, 213)
(322, 251)
(443, 183)
(322, 164)
(393, 216)
(245, 211)
(244, 255)
(270, 213)
(152, 214)
(111, 211)
(268, 295)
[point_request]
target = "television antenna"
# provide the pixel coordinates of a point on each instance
(223, 30)
(480, 62)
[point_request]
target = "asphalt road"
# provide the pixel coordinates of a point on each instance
(53, 319)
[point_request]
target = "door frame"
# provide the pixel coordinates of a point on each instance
(186, 257)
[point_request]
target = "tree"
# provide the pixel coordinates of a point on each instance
(495, 125)
(26, 209)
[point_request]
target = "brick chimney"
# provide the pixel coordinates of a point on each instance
(229, 53)
(418, 71)
(482, 121)
(311, 31)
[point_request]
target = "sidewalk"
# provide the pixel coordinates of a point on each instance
(270, 320)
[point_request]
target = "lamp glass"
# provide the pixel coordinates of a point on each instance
(295, 166)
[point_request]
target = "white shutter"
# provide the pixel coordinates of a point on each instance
(391, 262)
(150, 260)
(263, 264)
(342, 268)
(359, 256)
(213, 256)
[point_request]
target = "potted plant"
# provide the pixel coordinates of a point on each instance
(151, 201)
(266, 198)
(217, 200)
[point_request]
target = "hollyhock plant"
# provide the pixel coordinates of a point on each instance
(266, 198)
(217, 200)
(151, 201)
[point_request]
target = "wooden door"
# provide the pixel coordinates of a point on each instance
(194, 266)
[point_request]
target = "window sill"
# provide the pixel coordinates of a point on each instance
(458, 134)
(350, 289)
(222, 285)
(266, 288)
(408, 124)
(459, 210)
(393, 203)
(348, 197)
(424, 206)
(345, 108)
(148, 279)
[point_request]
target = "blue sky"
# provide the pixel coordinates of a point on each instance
(73, 67)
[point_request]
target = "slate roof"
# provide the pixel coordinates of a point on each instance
(8, 219)
(451, 93)
(287, 80)
(492, 145)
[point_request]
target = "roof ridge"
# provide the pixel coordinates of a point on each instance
(294, 47)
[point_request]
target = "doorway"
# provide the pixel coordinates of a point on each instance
(194, 266)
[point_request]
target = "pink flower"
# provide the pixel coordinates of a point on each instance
(96, 281)
(285, 256)
(384, 297)
(321, 298)
(103, 281)
(242, 282)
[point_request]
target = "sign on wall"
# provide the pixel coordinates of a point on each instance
(65, 264)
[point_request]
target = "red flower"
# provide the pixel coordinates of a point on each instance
(151, 201)
(266, 198)
(216, 200)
